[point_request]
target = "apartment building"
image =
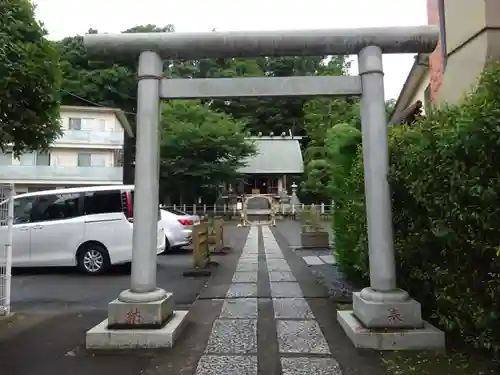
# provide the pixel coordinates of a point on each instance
(469, 39)
(90, 152)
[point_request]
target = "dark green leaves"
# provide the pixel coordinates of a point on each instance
(200, 149)
(445, 182)
(29, 80)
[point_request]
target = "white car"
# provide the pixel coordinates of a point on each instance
(90, 228)
(178, 227)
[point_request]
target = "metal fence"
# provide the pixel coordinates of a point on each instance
(6, 220)
(230, 211)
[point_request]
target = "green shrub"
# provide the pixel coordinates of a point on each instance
(445, 184)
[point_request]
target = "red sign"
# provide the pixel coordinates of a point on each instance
(133, 317)
(394, 316)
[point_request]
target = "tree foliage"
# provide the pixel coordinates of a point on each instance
(29, 80)
(320, 116)
(113, 83)
(445, 193)
(200, 150)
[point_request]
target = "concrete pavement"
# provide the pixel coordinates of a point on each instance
(54, 308)
(262, 312)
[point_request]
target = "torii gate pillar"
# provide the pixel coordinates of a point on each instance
(143, 316)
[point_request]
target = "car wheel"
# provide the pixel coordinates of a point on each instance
(167, 246)
(93, 259)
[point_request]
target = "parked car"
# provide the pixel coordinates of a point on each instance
(178, 227)
(90, 228)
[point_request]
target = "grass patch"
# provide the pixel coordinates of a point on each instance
(453, 362)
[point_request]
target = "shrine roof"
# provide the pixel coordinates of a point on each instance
(275, 155)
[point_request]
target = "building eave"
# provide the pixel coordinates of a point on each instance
(417, 73)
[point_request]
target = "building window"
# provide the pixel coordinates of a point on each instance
(118, 158)
(42, 158)
(84, 159)
(89, 124)
(87, 159)
(98, 160)
(27, 159)
(102, 125)
(272, 186)
(75, 123)
(6, 159)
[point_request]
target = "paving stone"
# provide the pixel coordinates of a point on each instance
(301, 336)
(277, 262)
(277, 265)
(248, 260)
(250, 252)
(313, 260)
(245, 277)
(328, 259)
(275, 276)
(275, 256)
(242, 290)
(245, 266)
(227, 365)
(251, 249)
(292, 308)
(241, 308)
(307, 366)
(249, 256)
(273, 252)
(286, 290)
(271, 248)
(233, 336)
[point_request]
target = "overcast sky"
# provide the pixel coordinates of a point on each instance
(70, 17)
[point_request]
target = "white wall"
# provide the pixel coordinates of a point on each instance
(93, 121)
(101, 136)
(69, 157)
(420, 91)
(60, 157)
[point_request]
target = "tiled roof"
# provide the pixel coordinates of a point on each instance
(277, 154)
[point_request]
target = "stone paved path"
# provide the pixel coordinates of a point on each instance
(315, 260)
(266, 335)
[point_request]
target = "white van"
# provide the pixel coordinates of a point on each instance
(90, 228)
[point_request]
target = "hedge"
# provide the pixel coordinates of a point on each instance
(445, 184)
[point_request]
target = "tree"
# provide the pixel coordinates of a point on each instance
(104, 82)
(321, 115)
(200, 150)
(29, 81)
(113, 83)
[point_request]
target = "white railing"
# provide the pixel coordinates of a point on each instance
(51, 173)
(6, 219)
(91, 137)
(230, 210)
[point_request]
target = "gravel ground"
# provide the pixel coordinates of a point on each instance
(339, 288)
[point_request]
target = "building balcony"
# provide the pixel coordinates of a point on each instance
(76, 137)
(55, 174)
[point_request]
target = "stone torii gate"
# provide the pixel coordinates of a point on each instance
(143, 315)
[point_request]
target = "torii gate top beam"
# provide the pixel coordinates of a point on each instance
(218, 44)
